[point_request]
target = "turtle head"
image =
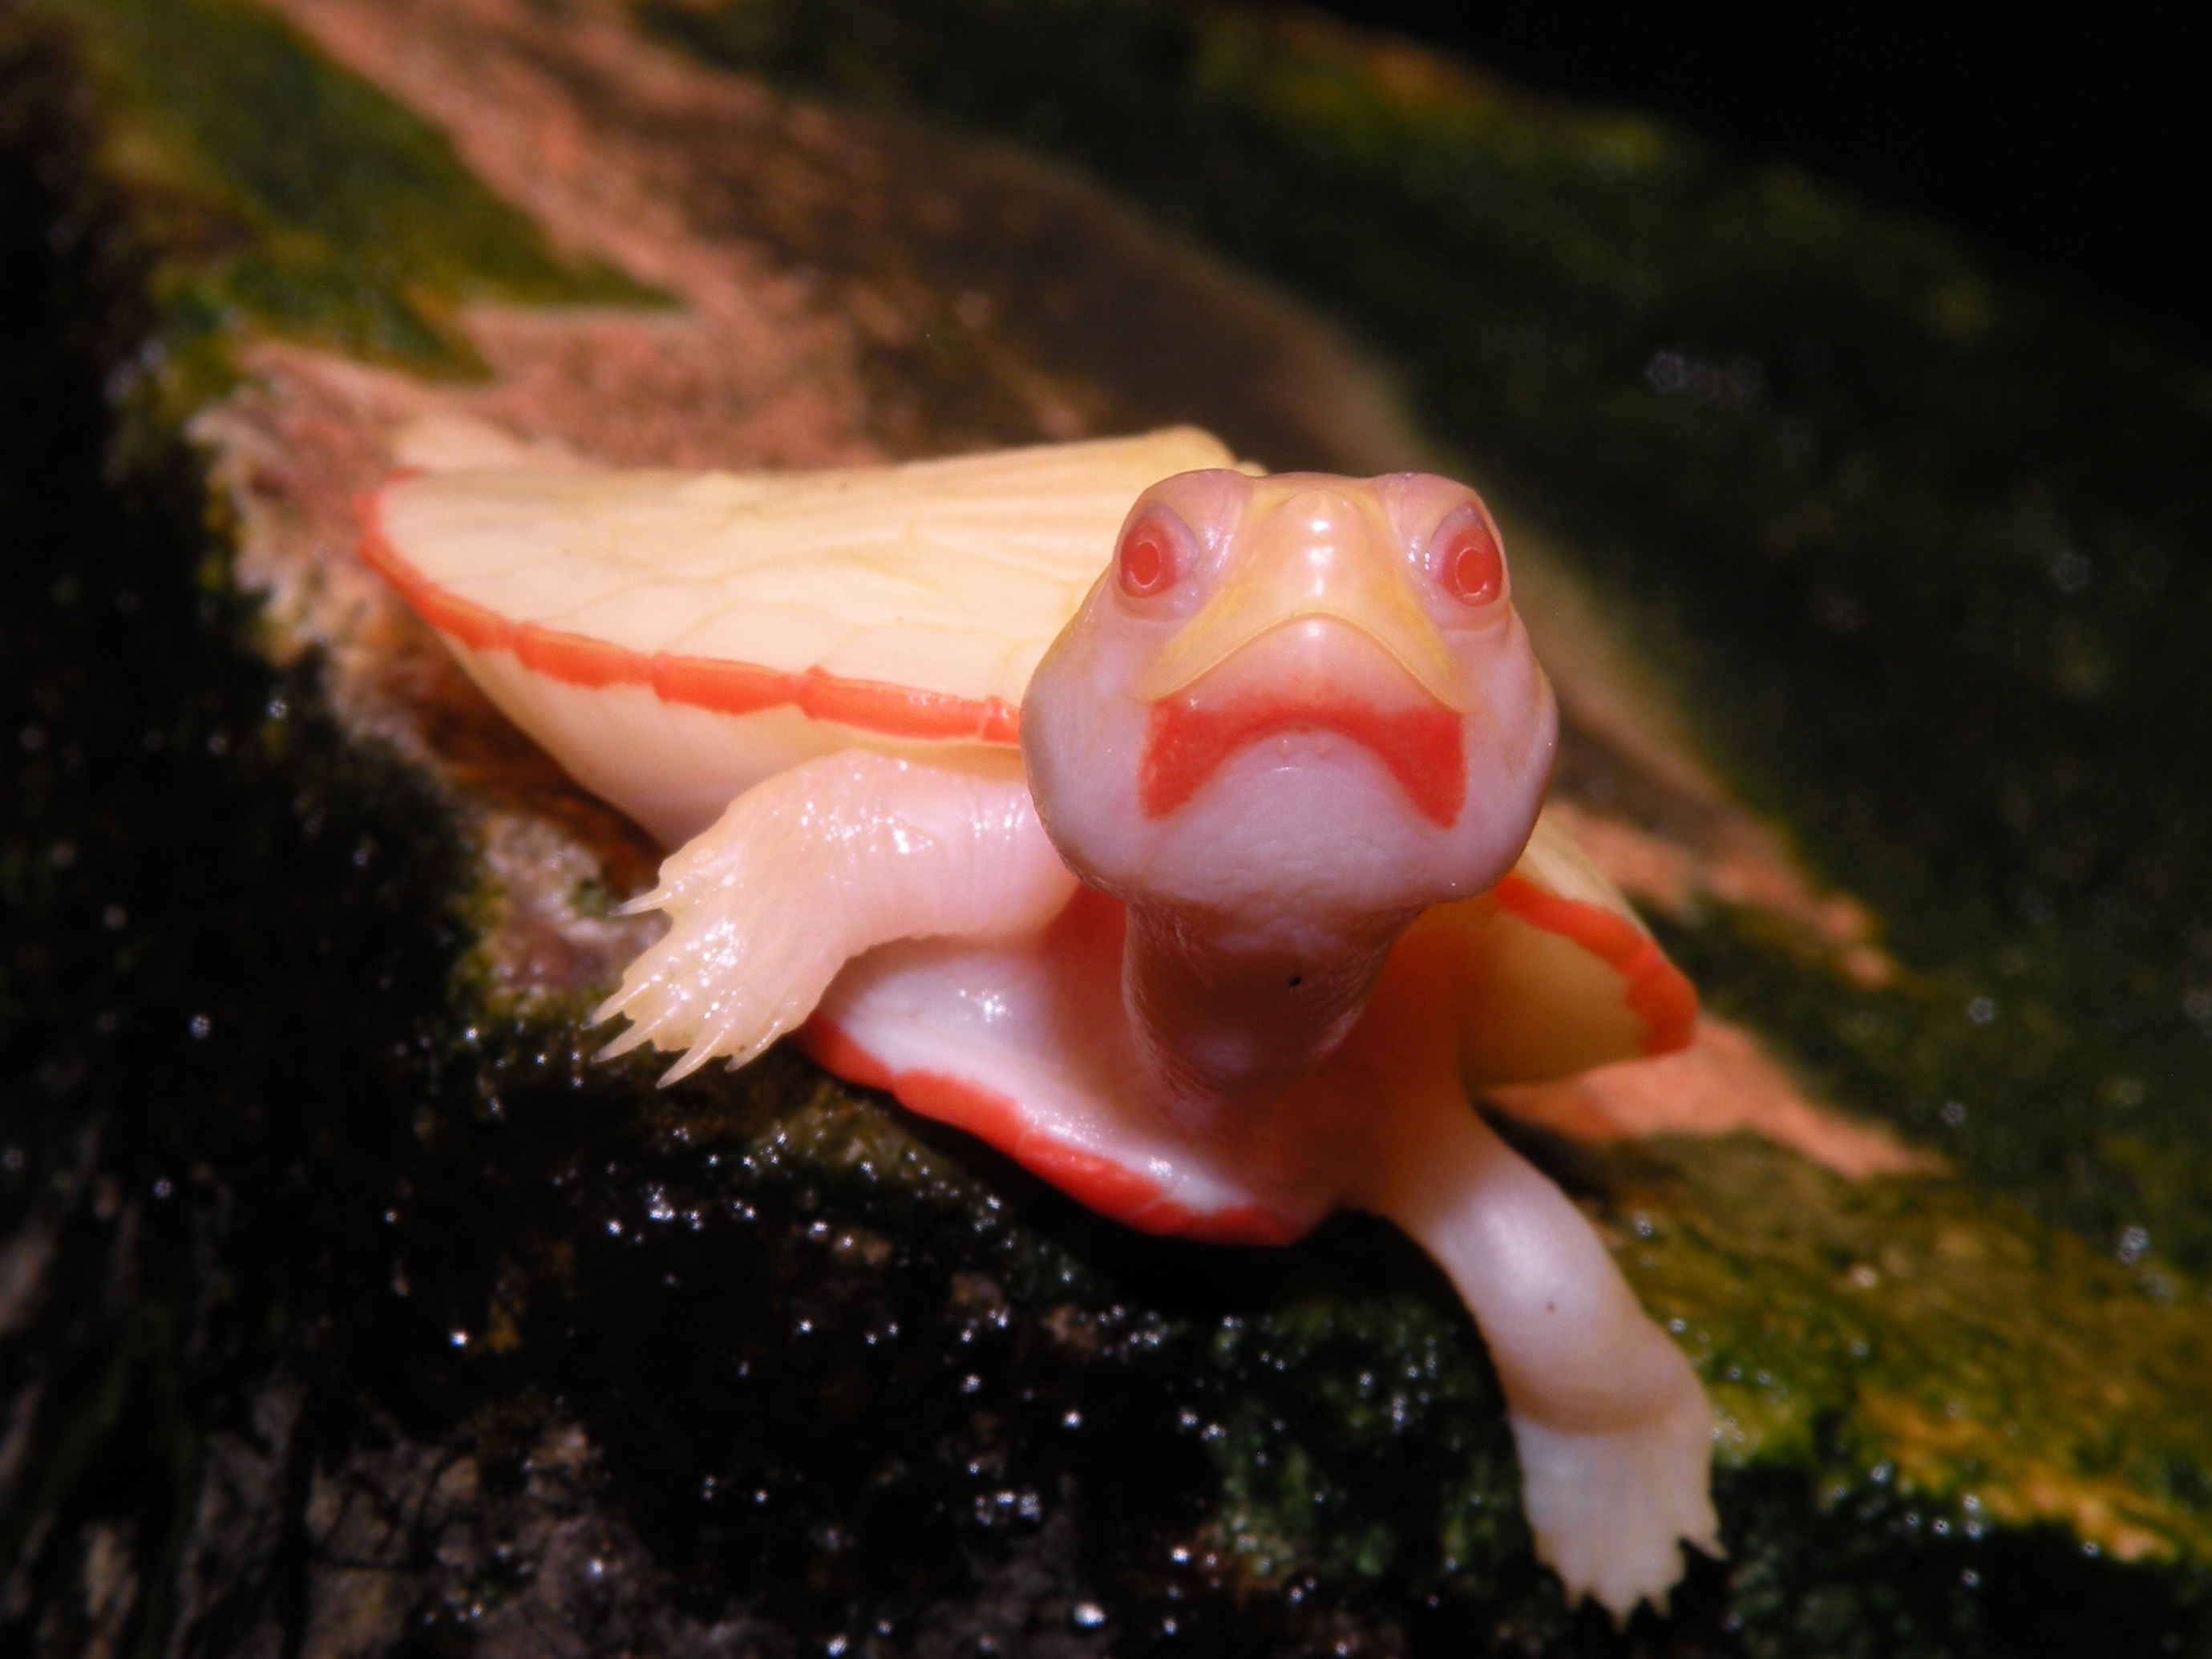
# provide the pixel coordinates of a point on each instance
(1293, 701)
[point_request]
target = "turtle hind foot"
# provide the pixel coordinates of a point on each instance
(1611, 1509)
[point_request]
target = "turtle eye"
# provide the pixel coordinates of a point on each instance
(1465, 559)
(1150, 558)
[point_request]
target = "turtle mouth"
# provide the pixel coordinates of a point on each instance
(1318, 675)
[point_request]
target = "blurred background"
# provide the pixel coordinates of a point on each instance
(2070, 141)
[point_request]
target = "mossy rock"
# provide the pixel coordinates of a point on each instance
(351, 1308)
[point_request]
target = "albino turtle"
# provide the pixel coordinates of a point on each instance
(1207, 887)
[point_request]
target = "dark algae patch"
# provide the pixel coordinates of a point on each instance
(1928, 543)
(293, 195)
(337, 1320)
(342, 1316)
(345, 1307)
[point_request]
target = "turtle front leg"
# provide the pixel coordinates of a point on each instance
(815, 866)
(1614, 1428)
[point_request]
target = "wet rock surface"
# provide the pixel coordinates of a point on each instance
(347, 1308)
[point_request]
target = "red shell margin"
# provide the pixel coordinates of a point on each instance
(725, 687)
(1655, 990)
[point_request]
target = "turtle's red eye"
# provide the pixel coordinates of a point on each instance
(1150, 560)
(1466, 559)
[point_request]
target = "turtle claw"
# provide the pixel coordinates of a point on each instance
(639, 906)
(811, 868)
(747, 956)
(1612, 1508)
(725, 981)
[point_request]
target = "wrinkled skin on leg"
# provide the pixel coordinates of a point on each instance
(815, 867)
(1613, 1430)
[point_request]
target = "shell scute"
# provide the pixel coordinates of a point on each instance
(900, 605)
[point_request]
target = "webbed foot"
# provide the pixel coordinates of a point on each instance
(1615, 1430)
(1612, 1508)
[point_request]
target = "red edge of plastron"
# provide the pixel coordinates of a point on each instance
(1655, 990)
(721, 687)
(1099, 1183)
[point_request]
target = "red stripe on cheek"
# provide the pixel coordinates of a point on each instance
(1185, 743)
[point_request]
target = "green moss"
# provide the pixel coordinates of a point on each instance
(1986, 1360)
(2078, 1122)
(1363, 1436)
(286, 192)
(1929, 544)
(841, 1363)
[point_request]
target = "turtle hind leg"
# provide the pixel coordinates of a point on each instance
(1613, 1430)
(814, 867)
